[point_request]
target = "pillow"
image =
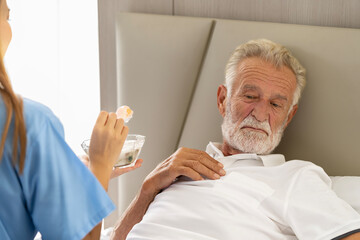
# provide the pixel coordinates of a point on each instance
(348, 188)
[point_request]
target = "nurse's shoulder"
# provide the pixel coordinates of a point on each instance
(38, 116)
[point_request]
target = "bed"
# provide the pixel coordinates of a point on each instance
(169, 68)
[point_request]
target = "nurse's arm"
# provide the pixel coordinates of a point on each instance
(107, 140)
(103, 178)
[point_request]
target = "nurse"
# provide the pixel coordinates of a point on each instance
(43, 185)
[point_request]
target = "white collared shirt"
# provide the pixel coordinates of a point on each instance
(213, 149)
(260, 197)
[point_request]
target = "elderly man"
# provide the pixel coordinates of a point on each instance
(237, 189)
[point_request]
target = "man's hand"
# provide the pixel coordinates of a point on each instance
(191, 163)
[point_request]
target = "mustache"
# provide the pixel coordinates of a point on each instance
(251, 122)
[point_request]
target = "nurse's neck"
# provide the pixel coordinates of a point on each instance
(227, 150)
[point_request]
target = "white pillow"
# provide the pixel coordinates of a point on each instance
(348, 188)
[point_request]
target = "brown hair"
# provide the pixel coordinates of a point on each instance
(14, 106)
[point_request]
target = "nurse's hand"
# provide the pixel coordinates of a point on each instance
(116, 171)
(107, 140)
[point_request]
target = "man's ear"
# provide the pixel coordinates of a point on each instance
(221, 99)
(291, 114)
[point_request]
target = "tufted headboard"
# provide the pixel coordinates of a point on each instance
(169, 68)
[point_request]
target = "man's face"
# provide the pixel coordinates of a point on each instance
(257, 111)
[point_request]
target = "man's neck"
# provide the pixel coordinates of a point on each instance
(227, 150)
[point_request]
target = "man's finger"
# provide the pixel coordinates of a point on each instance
(204, 155)
(209, 162)
(188, 172)
(201, 169)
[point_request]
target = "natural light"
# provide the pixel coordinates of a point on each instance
(53, 58)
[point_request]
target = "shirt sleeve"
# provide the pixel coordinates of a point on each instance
(314, 211)
(63, 197)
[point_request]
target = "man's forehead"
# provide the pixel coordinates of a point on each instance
(255, 70)
(250, 62)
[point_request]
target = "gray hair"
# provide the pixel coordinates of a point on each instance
(271, 52)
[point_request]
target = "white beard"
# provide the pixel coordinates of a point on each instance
(248, 140)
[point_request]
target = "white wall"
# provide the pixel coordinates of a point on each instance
(53, 59)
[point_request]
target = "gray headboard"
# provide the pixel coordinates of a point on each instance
(169, 68)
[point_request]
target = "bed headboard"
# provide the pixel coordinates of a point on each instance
(169, 68)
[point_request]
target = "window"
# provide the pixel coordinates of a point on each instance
(53, 58)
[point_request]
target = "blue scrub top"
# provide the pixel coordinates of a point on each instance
(56, 194)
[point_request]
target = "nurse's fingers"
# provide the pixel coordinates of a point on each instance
(119, 125)
(121, 130)
(111, 120)
(102, 118)
(119, 171)
(125, 131)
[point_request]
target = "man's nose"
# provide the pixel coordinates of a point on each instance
(261, 111)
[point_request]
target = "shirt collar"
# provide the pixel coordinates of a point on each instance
(270, 160)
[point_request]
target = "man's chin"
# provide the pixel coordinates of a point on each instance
(249, 141)
(257, 147)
